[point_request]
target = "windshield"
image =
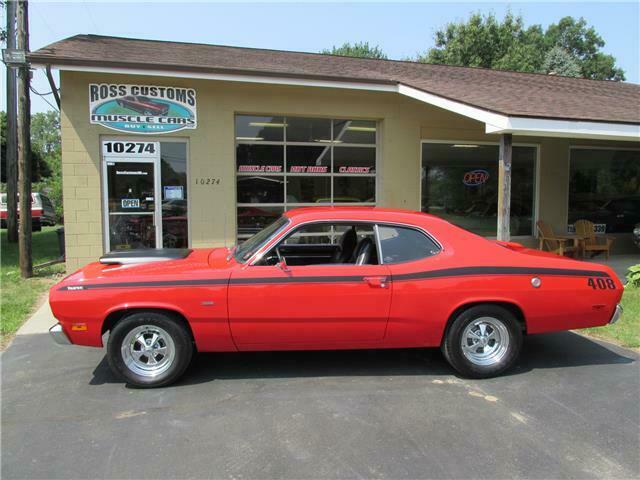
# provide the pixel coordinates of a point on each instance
(253, 244)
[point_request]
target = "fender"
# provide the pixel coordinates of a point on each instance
(483, 299)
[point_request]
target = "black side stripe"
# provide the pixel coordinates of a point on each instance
(164, 283)
(446, 272)
(471, 271)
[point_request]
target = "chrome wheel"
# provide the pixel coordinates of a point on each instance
(485, 341)
(148, 351)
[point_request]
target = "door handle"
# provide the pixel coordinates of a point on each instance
(378, 282)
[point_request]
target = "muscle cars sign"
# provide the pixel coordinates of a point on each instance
(142, 108)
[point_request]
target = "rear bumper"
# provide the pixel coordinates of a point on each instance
(616, 315)
(58, 335)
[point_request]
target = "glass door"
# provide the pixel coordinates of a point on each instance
(131, 201)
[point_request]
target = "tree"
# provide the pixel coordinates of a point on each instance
(560, 62)
(358, 49)
(584, 44)
(3, 31)
(484, 41)
(45, 154)
(41, 168)
(45, 142)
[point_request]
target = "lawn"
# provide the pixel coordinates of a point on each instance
(625, 331)
(18, 297)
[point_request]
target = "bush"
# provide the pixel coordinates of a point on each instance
(633, 276)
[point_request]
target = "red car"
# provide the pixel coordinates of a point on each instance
(143, 105)
(331, 278)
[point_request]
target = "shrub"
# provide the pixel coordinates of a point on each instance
(633, 276)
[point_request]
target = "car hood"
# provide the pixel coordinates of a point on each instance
(201, 263)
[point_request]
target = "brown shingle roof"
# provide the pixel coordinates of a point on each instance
(508, 93)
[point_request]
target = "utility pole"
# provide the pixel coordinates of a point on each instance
(24, 145)
(12, 112)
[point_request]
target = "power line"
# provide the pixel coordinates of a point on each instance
(44, 98)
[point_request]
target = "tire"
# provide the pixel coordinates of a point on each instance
(172, 353)
(36, 226)
(502, 334)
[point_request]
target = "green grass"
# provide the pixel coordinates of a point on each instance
(18, 296)
(625, 331)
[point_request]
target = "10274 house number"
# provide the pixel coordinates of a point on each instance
(207, 181)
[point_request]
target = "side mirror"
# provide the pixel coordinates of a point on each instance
(282, 265)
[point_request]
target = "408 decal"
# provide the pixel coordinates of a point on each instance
(601, 283)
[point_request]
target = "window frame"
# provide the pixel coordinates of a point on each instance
(332, 144)
(285, 233)
(586, 147)
(536, 180)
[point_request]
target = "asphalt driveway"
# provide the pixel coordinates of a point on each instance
(571, 409)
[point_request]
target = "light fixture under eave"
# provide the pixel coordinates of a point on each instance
(361, 129)
(267, 124)
(464, 145)
(249, 139)
(322, 140)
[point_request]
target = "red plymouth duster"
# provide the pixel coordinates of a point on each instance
(330, 278)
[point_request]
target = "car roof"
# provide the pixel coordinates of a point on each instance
(397, 215)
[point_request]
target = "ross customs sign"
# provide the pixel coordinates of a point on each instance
(142, 108)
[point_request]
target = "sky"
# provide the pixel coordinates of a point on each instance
(401, 29)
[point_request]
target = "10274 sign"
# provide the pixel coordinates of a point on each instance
(130, 149)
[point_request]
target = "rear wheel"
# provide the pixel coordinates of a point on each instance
(149, 349)
(483, 341)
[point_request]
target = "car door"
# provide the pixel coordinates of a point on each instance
(309, 306)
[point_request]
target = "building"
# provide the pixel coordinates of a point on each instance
(175, 144)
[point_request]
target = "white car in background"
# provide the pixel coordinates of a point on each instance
(42, 211)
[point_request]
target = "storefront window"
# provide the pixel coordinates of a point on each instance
(604, 188)
(289, 162)
(460, 184)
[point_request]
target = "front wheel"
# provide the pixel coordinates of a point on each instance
(483, 341)
(149, 349)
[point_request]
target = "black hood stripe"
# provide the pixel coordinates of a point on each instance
(426, 275)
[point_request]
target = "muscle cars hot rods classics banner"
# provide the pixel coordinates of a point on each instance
(142, 108)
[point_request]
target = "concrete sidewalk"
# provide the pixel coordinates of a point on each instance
(39, 322)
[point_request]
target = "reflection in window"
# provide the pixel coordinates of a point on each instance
(305, 159)
(399, 244)
(253, 219)
(173, 175)
(460, 184)
(604, 188)
(308, 189)
(259, 129)
(288, 162)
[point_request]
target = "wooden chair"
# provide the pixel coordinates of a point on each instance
(552, 242)
(590, 242)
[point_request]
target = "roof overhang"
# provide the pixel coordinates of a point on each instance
(495, 123)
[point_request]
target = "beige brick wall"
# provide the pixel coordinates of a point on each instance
(403, 123)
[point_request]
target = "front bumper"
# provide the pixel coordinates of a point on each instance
(58, 335)
(616, 315)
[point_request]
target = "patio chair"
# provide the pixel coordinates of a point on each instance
(590, 242)
(552, 242)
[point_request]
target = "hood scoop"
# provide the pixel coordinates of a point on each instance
(129, 257)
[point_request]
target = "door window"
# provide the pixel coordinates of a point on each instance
(402, 244)
(326, 244)
(131, 205)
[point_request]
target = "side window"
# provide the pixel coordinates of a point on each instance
(327, 243)
(400, 244)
